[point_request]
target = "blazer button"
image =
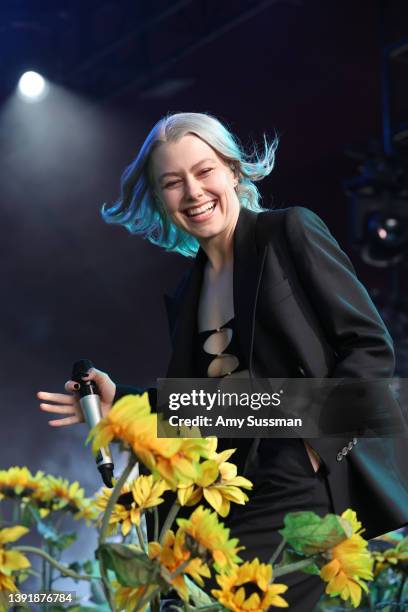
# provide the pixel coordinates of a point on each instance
(344, 451)
(355, 441)
(301, 371)
(339, 457)
(350, 446)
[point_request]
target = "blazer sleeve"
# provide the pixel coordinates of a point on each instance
(122, 390)
(351, 322)
(345, 310)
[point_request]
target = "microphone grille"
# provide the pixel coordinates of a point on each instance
(80, 368)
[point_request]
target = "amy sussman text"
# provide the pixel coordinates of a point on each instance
(221, 421)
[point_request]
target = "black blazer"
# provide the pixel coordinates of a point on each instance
(301, 311)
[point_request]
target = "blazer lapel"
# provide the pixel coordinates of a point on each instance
(248, 265)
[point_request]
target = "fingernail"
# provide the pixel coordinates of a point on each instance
(77, 386)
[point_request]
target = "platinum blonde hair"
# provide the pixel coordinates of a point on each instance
(141, 212)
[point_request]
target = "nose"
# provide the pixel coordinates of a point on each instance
(193, 189)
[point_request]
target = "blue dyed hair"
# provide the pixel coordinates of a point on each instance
(141, 212)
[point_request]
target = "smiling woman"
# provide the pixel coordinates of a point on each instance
(270, 294)
(187, 161)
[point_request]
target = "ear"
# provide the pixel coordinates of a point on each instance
(235, 174)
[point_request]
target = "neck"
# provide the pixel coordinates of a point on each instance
(219, 251)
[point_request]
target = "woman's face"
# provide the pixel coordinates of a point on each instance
(196, 187)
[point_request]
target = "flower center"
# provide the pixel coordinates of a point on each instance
(250, 588)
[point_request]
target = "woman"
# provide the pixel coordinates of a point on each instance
(275, 295)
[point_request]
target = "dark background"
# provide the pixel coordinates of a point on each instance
(74, 287)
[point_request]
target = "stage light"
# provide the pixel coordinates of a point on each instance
(386, 239)
(32, 87)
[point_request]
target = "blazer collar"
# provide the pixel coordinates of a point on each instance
(248, 264)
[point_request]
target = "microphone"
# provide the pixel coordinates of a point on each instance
(91, 409)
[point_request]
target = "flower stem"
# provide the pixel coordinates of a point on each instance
(169, 520)
(105, 526)
(141, 538)
(64, 570)
(277, 552)
(156, 524)
(291, 567)
(155, 603)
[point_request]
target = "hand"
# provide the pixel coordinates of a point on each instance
(313, 456)
(68, 403)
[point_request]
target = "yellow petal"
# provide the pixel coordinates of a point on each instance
(15, 560)
(239, 596)
(214, 498)
(209, 473)
(11, 534)
(329, 570)
(279, 602)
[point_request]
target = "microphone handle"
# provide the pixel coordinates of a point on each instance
(91, 408)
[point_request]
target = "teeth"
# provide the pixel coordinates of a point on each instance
(192, 212)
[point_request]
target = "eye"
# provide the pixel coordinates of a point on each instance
(171, 184)
(205, 171)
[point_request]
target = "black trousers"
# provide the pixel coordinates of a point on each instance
(285, 481)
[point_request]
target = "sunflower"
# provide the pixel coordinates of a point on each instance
(121, 516)
(87, 511)
(391, 557)
(61, 494)
(248, 588)
(130, 421)
(350, 564)
(209, 539)
(20, 482)
(218, 483)
(176, 463)
(11, 560)
(171, 555)
(143, 493)
(147, 492)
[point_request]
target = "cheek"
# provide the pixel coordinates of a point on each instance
(170, 204)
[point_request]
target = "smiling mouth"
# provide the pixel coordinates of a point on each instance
(201, 210)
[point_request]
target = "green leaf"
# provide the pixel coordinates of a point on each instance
(199, 597)
(89, 566)
(308, 533)
(132, 567)
(64, 540)
(291, 556)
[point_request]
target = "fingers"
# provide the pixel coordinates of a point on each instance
(66, 421)
(60, 398)
(64, 404)
(59, 409)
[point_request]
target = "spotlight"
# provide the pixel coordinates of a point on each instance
(386, 239)
(32, 87)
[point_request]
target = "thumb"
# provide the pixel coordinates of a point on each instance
(97, 376)
(102, 381)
